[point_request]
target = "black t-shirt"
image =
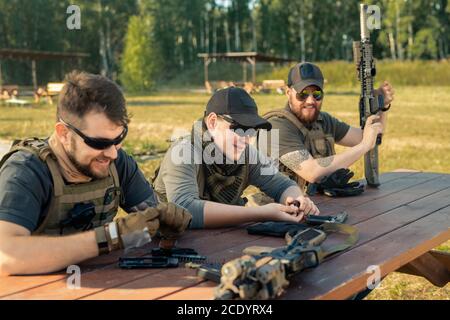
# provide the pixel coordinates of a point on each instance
(26, 187)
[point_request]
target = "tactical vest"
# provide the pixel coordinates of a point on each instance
(73, 207)
(318, 143)
(201, 181)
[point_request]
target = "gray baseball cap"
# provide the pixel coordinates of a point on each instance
(303, 75)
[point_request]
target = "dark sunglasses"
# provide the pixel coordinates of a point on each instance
(238, 129)
(98, 143)
(303, 95)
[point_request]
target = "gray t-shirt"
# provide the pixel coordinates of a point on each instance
(177, 180)
(26, 188)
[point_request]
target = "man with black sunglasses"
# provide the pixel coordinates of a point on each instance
(307, 135)
(208, 171)
(59, 196)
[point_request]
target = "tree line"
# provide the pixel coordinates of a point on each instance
(140, 41)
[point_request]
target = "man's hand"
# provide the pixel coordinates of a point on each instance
(173, 220)
(279, 212)
(304, 205)
(371, 130)
(388, 92)
(135, 229)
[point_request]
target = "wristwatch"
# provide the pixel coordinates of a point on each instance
(102, 241)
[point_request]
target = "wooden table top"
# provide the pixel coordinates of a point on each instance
(407, 216)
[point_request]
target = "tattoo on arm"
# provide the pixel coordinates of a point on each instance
(325, 162)
(293, 160)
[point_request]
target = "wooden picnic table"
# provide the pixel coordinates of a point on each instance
(399, 224)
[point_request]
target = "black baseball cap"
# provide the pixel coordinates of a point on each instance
(239, 105)
(303, 75)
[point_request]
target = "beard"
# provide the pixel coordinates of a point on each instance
(306, 118)
(86, 169)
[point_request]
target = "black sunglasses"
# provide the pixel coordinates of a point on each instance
(238, 129)
(304, 94)
(98, 143)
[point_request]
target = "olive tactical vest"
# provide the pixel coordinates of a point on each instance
(201, 180)
(318, 143)
(97, 201)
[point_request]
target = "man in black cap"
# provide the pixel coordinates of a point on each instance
(208, 171)
(307, 135)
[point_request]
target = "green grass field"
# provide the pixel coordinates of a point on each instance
(417, 137)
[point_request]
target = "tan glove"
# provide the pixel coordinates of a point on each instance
(173, 220)
(131, 231)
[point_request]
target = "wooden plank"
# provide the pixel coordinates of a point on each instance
(368, 210)
(111, 275)
(155, 293)
(363, 209)
(428, 267)
(434, 176)
(403, 183)
(385, 225)
(18, 284)
(390, 251)
(202, 291)
(386, 180)
(174, 280)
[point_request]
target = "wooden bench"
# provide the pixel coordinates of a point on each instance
(399, 225)
(213, 86)
(8, 92)
(270, 85)
(52, 89)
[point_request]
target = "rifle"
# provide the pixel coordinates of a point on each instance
(162, 258)
(263, 272)
(370, 103)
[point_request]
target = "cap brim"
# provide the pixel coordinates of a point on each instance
(249, 120)
(299, 86)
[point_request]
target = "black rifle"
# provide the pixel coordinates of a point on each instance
(370, 103)
(162, 258)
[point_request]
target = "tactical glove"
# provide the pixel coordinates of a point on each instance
(173, 220)
(137, 229)
(336, 185)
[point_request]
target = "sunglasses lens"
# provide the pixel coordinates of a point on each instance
(99, 145)
(102, 144)
(317, 95)
(302, 96)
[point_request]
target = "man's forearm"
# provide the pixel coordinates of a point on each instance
(220, 215)
(293, 192)
(40, 254)
(328, 165)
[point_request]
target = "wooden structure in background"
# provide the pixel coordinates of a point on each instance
(34, 56)
(245, 58)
